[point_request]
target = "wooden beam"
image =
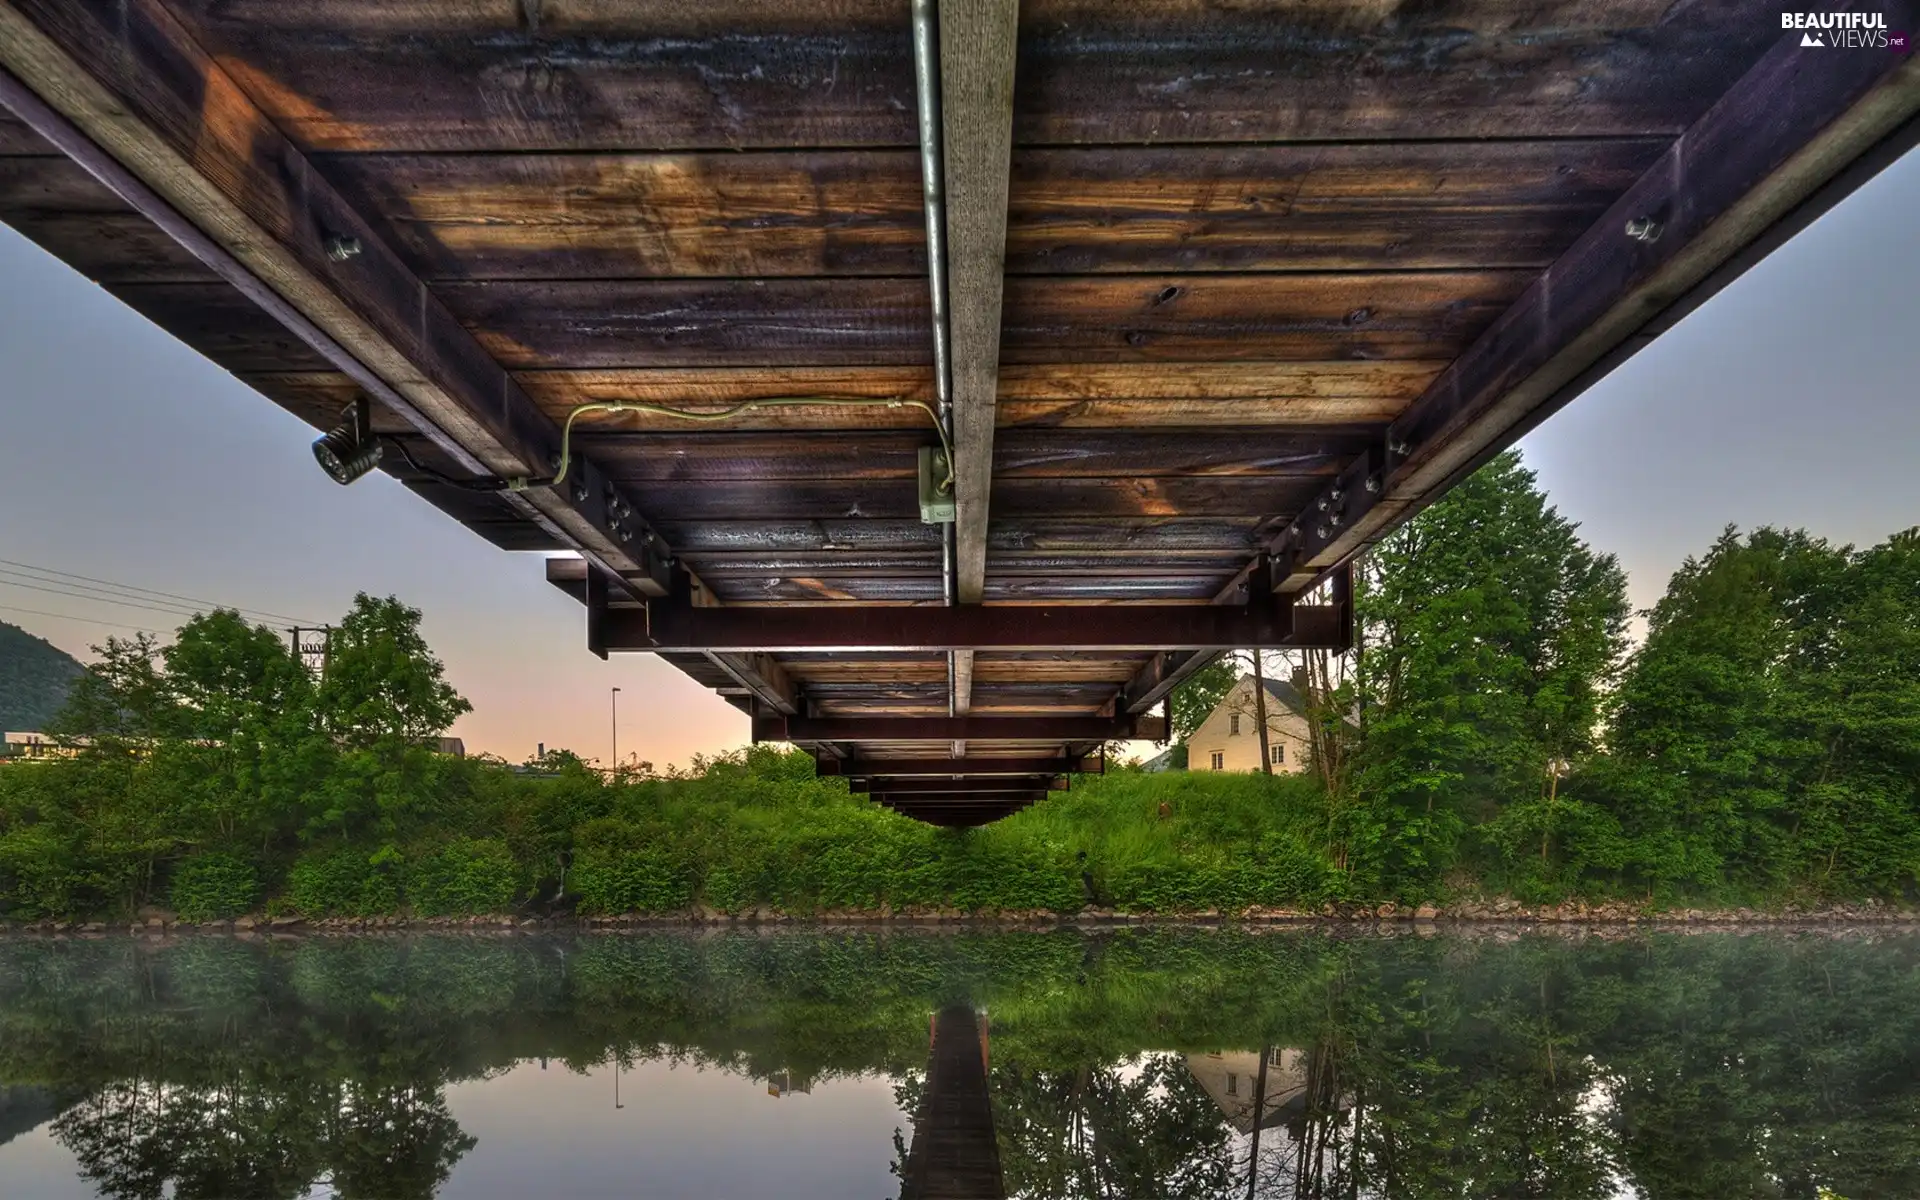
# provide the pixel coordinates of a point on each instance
(977, 40)
(126, 92)
(946, 729)
(1132, 627)
(1780, 147)
(947, 787)
(973, 765)
(763, 676)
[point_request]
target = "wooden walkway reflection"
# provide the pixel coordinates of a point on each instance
(954, 1156)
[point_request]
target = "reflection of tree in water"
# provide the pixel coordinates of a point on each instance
(138, 1140)
(1142, 1128)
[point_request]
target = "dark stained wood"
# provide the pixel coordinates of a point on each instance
(16, 138)
(632, 216)
(1330, 207)
(111, 247)
(1309, 317)
(222, 324)
(963, 766)
(1269, 70)
(948, 729)
(661, 457)
(616, 323)
(859, 499)
(808, 73)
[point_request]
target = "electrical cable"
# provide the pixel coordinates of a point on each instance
(41, 612)
(686, 414)
(106, 598)
(61, 578)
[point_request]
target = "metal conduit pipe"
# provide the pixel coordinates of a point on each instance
(926, 82)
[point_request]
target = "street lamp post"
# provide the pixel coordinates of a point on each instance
(614, 698)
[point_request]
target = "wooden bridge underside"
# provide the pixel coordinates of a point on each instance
(1230, 290)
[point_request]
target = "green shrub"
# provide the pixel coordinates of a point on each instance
(346, 883)
(212, 887)
(467, 876)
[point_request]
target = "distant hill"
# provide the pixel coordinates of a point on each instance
(34, 679)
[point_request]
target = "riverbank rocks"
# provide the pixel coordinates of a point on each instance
(1426, 912)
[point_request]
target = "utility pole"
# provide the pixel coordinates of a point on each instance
(614, 698)
(1260, 712)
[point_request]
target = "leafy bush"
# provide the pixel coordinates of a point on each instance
(346, 883)
(466, 876)
(212, 887)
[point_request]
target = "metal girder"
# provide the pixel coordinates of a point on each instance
(991, 786)
(971, 766)
(1795, 135)
(1149, 627)
(125, 91)
(946, 729)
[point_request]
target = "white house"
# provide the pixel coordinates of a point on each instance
(1229, 739)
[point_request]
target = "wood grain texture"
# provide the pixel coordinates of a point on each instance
(568, 75)
(664, 457)
(807, 74)
(619, 323)
(1062, 395)
(636, 215)
(1328, 207)
(849, 500)
(222, 324)
(1264, 71)
(601, 324)
(977, 51)
(16, 138)
(1308, 317)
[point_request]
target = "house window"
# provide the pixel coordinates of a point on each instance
(1273, 1057)
(1233, 1084)
(1278, 753)
(1219, 760)
(1233, 725)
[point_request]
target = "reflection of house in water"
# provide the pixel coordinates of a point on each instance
(1232, 1078)
(780, 1083)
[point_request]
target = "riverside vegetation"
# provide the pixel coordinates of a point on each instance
(1496, 734)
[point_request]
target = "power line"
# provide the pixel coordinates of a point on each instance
(128, 587)
(40, 612)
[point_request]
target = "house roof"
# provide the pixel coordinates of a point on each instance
(1282, 692)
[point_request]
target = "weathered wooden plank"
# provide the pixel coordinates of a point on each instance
(617, 323)
(111, 247)
(1045, 453)
(1327, 207)
(883, 321)
(635, 215)
(458, 77)
(1307, 317)
(16, 138)
(1225, 381)
(829, 499)
(926, 588)
(805, 74)
(663, 457)
(777, 588)
(785, 536)
(1268, 71)
(1156, 535)
(948, 729)
(217, 321)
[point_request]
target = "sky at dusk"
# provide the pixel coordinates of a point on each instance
(1792, 398)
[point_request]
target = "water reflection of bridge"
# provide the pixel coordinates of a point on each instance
(954, 1154)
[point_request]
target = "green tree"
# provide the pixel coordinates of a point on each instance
(383, 684)
(1492, 633)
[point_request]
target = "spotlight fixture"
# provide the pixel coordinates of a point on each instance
(349, 450)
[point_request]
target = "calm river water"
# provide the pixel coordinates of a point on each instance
(1144, 1063)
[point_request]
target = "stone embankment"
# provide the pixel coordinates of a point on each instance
(1496, 912)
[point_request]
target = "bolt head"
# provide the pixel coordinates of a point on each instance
(1645, 229)
(341, 247)
(1321, 531)
(1373, 484)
